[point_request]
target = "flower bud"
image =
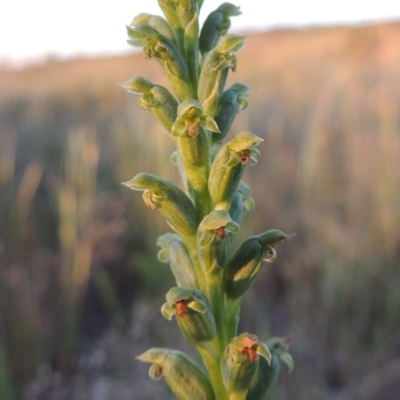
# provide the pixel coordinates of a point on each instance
(233, 99)
(243, 267)
(190, 116)
(216, 25)
(191, 48)
(194, 151)
(174, 252)
(192, 140)
(214, 71)
(193, 313)
(156, 22)
(168, 7)
(184, 376)
(155, 98)
(212, 238)
(241, 202)
(186, 11)
(267, 374)
(162, 49)
(171, 201)
(240, 361)
(228, 167)
(176, 159)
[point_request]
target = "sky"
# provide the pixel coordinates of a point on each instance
(32, 30)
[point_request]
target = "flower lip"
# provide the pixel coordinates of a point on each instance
(244, 156)
(221, 233)
(193, 127)
(158, 371)
(182, 308)
(251, 353)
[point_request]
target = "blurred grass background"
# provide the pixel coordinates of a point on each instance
(80, 285)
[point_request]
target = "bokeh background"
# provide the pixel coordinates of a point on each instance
(80, 284)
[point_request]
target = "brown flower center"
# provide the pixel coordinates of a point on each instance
(181, 308)
(251, 353)
(244, 156)
(221, 233)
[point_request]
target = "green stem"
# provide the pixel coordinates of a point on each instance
(190, 243)
(212, 362)
(198, 184)
(196, 160)
(217, 301)
(232, 316)
(238, 395)
(192, 53)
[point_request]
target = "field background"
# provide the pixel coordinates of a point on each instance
(80, 285)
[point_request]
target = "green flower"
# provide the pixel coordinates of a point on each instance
(155, 98)
(164, 50)
(216, 25)
(243, 267)
(189, 119)
(268, 373)
(215, 68)
(193, 313)
(228, 167)
(212, 238)
(171, 201)
(174, 252)
(183, 375)
(240, 361)
(230, 102)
